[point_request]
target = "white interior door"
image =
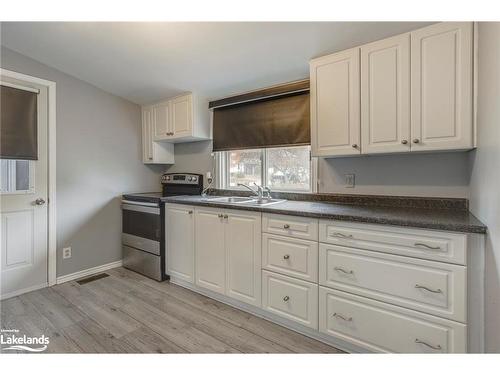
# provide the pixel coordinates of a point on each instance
(23, 212)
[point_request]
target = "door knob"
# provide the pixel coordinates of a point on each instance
(40, 202)
(404, 141)
(355, 146)
(416, 140)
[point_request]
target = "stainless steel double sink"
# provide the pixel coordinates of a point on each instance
(246, 201)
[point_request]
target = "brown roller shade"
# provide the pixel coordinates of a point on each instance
(18, 124)
(273, 122)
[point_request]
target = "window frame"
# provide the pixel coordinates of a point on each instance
(222, 171)
(11, 173)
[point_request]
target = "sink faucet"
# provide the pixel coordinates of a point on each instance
(259, 191)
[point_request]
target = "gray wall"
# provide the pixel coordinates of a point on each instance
(438, 174)
(485, 166)
(98, 158)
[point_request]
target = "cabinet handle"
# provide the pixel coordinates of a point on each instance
(220, 216)
(286, 256)
(427, 246)
(335, 315)
(354, 145)
(340, 269)
(342, 235)
(286, 226)
(417, 286)
(286, 298)
(226, 216)
(416, 140)
(404, 141)
(437, 347)
(190, 212)
(150, 158)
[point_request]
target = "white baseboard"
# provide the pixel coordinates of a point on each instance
(88, 272)
(22, 291)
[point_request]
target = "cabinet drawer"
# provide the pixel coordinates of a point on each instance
(431, 287)
(440, 246)
(385, 328)
(292, 226)
(290, 298)
(290, 256)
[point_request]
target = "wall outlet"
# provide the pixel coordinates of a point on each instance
(209, 177)
(66, 252)
(349, 180)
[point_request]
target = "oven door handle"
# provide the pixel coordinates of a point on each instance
(136, 203)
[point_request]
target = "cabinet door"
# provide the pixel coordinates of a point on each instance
(441, 81)
(243, 256)
(179, 233)
(182, 116)
(385, 95)
(335, 104)
(147, 136)
(210, 254)
(161, 120)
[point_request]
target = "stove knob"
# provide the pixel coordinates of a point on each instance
(190, 178)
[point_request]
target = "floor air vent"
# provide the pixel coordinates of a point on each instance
(92, 278)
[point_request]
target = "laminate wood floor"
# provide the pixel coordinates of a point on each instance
(129, 313)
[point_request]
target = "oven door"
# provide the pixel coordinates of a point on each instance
(141, 227)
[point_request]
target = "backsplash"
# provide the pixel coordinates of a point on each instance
(416, 175)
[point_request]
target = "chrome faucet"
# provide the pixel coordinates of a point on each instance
(260, 190)
(257, 193)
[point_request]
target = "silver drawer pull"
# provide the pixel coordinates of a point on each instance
(427, 246)
(342, 235)
(340, 269)
(286, 256)
(286, 226)
(286, 298)
(428, 289)
(437, 347)
(335, 315)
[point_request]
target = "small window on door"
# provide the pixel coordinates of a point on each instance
(16, 176)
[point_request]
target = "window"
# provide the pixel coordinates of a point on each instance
(281, 169)
(16, 176)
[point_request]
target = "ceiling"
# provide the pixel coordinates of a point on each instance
(148, 61)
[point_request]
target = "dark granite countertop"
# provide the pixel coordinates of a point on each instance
(440, 219)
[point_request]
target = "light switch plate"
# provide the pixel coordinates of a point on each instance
(349, 180)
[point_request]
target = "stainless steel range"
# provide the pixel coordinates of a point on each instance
(143, 229)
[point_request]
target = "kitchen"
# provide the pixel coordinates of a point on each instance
(339, 199)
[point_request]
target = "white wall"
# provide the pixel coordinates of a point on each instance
(485, 166)
(98, 158)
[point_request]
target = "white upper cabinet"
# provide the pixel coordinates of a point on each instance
(412, 92)
(335, 100)
(185, 118)
(385, 95)
(182, 116)
(442, 91)
(161, 113)
(154, 152)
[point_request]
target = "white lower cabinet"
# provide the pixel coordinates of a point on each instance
(290, 298)
(427, 286)
(179, 239)
(369, 287)
(210, 249)
(243, 256)
(383, 327)
(228, 253)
